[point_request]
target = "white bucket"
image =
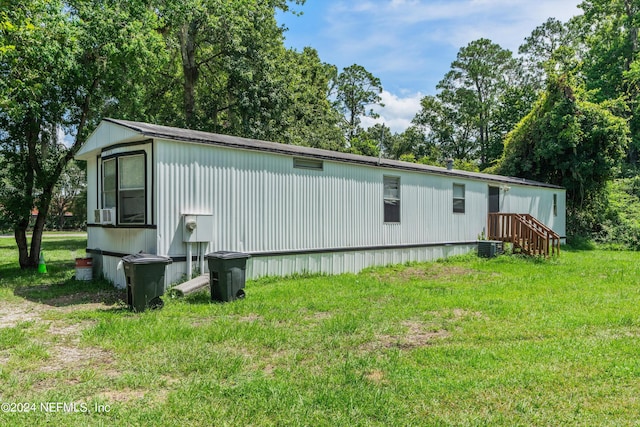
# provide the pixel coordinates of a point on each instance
(84, 269)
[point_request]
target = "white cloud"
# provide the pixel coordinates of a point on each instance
(64, 138)
(397, 112)
(410, 44)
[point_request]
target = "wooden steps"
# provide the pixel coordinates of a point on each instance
(525, 232)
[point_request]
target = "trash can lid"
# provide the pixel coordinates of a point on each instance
(227, 255)
(142, 258)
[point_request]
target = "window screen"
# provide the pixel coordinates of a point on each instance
(131, 201)
(109, 184)
(391, 199)
(458, 198)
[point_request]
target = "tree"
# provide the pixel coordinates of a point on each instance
(70, 188)
(57, 62)
(227, 69)
(355, 90)
(460, 118)
(550, 47)
(309, 117)
(567, 141)
(609, 32)
(609, 29)
(449, 122)
(408, 142)
(482, 69)
(369, 142)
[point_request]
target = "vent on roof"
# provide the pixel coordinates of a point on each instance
(449, 164)
(312, 164)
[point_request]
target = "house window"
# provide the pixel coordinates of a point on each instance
(109, 184)
(458, 198)
(391, 199)
(555, 205)
(123, 188)
(312, 164)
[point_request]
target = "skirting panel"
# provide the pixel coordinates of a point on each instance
(347, 262)
(309, 263)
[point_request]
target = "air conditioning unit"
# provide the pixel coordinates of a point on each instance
(105, 216)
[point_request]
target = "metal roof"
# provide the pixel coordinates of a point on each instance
(194, 136)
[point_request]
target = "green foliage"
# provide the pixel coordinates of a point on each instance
(570, 142)
(551, 48)
(60, 62)
(355, 89)
(620, 227)
(609, 31)
(369, 141)
(475, 106)
(309, 117)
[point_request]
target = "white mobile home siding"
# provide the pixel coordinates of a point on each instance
(261, 203)
(294, 220)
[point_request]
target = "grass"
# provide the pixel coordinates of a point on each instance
(466, 341)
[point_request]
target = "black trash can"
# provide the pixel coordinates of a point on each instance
(227, 275)
(145, 280)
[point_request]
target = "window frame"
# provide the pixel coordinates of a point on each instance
(119, 191)
(555, 204)
(389, 217)
(458, 199)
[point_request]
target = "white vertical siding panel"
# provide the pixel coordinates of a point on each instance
(260, 203)
(539, 203)
(92, 188)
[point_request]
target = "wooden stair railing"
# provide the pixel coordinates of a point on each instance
(525, 232)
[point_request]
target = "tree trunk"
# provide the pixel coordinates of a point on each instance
(189, 69)
(36, 239)
(20, 229)
(20, 234)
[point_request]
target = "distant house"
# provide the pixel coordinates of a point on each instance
(294, 209)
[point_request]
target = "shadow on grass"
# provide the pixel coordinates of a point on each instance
(54, 244)
(579, 244)
(72, 292)
(200, 297)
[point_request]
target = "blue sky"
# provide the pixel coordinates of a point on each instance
(410, 44)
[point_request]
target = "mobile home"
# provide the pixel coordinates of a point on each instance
(184, 193)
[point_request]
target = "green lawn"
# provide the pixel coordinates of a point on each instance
(507, 341)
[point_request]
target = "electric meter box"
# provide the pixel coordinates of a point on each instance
(197, 228)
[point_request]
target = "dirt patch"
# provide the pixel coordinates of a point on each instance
(321, 315)
(434, 271)
(88, 300)
(456, 314)
(60, 338)
(418, 334)
(250, 318)
(71, 357)
(12, 314)
(376, 376)
(122, 396)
